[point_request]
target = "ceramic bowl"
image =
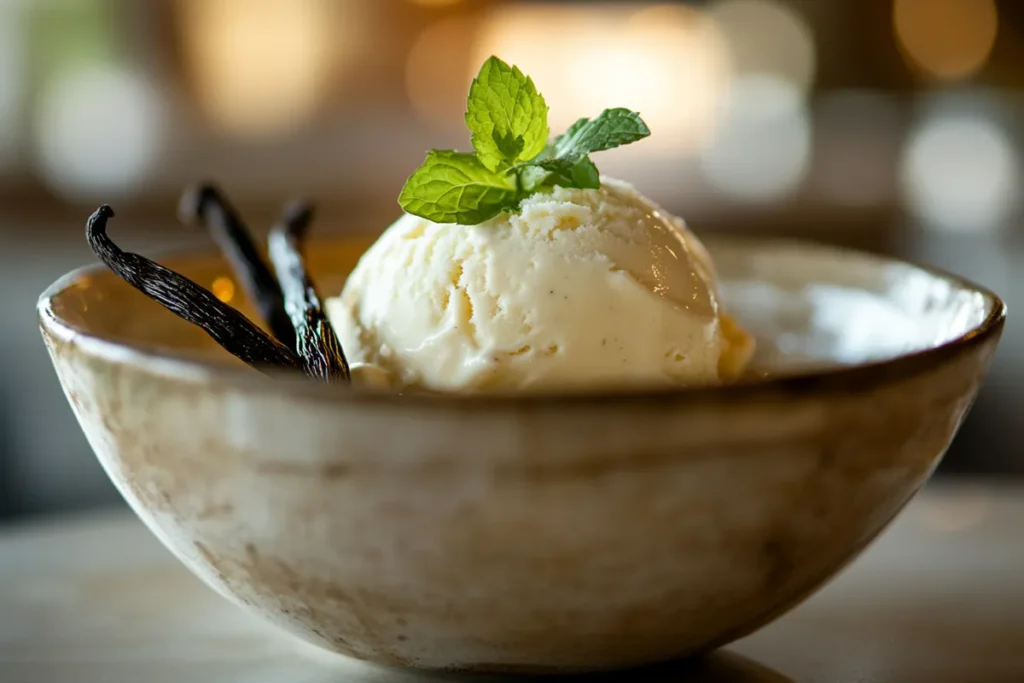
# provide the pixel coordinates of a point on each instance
(538, 534)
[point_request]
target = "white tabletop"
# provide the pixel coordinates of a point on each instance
(938, 599)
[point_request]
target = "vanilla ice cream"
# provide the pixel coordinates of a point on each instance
(577, 289)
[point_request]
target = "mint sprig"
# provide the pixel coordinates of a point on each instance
(512, 159)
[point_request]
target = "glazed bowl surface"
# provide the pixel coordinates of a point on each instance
(555, 533)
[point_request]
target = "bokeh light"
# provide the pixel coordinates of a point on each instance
(763, 149)
(669, 62)
(960, 171)
(948, 39)
(263, 68)
(100, 131)
(767, 37)
(223, 288)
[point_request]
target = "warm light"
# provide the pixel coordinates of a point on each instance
(99, 131)
(669, 62)
(767, 37)
(263, 67)
(435, 3)
(763, 149)
(961, 172)
(949, 39)
(223, 288)
(435, 73)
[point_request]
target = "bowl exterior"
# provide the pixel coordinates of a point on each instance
(558, 537)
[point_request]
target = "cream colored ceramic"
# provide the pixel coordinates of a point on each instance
(534, 534)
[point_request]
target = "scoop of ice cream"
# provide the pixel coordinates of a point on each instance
(577, 289)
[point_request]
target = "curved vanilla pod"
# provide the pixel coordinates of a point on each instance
(238, 335)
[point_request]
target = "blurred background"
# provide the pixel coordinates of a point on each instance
(895, 126)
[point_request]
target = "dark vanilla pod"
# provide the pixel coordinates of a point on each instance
(206, 204)
(316, 342)
(228, 327)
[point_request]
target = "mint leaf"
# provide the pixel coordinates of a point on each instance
(506, 115)
(544, 176)
(569, 133)
(457, 188)
(567, 161)
(533, 178)
(582, 174)
(611, 128)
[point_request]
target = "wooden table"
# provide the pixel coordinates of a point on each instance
(938, 599)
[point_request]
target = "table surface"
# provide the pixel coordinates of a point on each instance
(938, 599)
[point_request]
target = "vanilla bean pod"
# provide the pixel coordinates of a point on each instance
(316, 342)
(237, 334)
(207, 204)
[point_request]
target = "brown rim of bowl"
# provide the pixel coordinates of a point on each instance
(839, 379)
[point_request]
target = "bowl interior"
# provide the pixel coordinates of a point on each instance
(810, 306)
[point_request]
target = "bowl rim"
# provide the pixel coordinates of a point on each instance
(190, 368)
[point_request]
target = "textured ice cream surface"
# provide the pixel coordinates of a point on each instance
(578, 289)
